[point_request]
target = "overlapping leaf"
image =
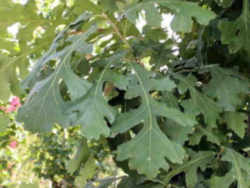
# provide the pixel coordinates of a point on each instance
(184, 12)
(198, 161)
(239, 172)
(201, 132)
(9, 83)
(180, 136)
(92, 109)
(36, 72)
(45, 105)
(198, 103)
(148, 150)
(82, 154)
(87, 172)
(27, 44)
(226, 88)
(236, 33)
(128, 182)
(236, 121)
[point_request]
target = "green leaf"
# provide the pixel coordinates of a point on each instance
(170, 128)
(224, 3)
(240, 171)
(190, 167)
(5, 90)
(81, 155)
(181, 23)
(4, 121)
(236, 121)
(149, 148)
(236, 33)
(153, 16)
(45, 106)
(9, 83)
(184, 12)
(77, 43)
(109, 5)
(92, 109)
(226, 88)
(199, 103)
(29, 185)
(86, 172)
(128, 182)
(87, 5)
(200, 132)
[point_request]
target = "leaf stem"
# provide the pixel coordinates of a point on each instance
(117, 31)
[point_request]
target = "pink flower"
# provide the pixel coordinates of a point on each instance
(15, 102)
(13, 144)
(14, 105)
(10, 109)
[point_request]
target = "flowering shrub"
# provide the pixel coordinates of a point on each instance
(12, 106)
(26, 158)
(15, 164)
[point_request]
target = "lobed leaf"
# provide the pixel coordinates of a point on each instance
(239, 172)
(226, 88)
(184, 13)
(45, 106)
(149, 148)
(235, 33)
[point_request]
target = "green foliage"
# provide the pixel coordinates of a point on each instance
(166, 119)
(235, 33)
(4, 121)
(236, 122)
(224, 82)
(239, 171)
(184, 12)
(150, 147)
(191, 167)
